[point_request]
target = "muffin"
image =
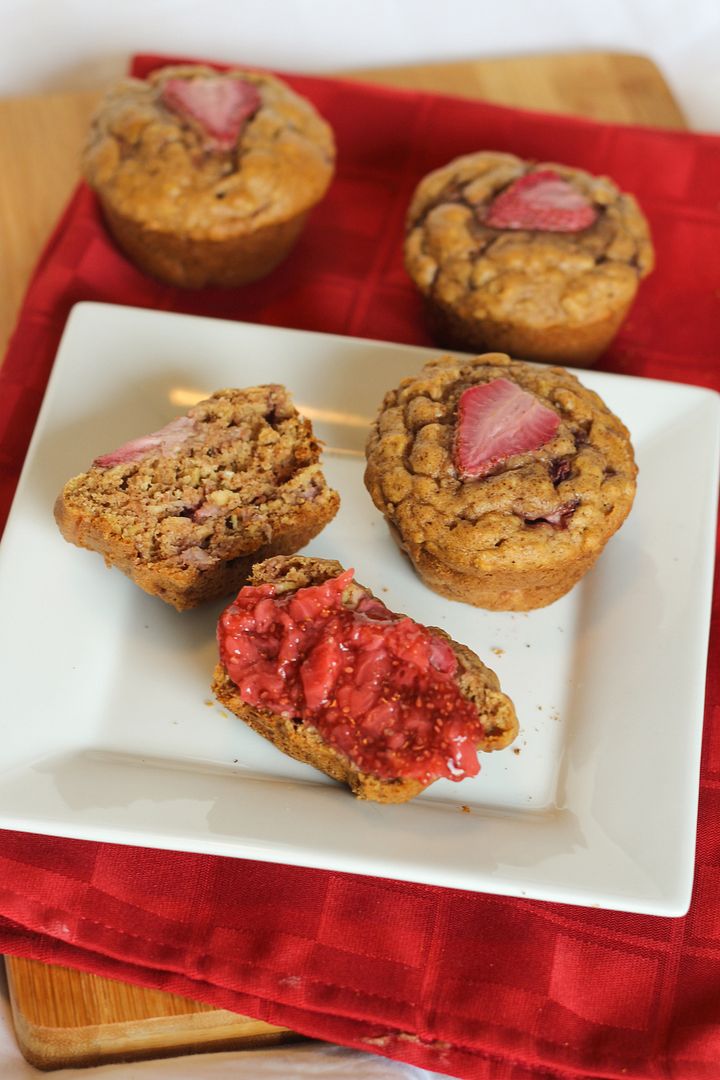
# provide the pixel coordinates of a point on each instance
(207, 178)
(501, 480)
(541, 261)
(186, 511)
(319, 666)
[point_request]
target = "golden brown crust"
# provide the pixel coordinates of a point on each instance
(575, 345)
(189, 524)
(491, 541)
(229, 262)
(192, 216)
(304, 743)
(550, 297)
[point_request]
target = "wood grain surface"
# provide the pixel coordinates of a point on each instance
(66, 1017)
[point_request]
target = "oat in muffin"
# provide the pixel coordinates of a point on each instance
(187, 511)
(501, 480)
(541, 261)
(207, 178)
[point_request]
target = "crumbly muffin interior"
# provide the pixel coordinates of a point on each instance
(537, 508)
(537, 278)
(248, 463)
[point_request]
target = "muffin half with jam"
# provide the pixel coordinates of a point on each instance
(320, 667)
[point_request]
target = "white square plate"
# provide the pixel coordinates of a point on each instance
(107, 726)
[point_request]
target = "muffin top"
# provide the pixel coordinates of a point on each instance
(482, 508)
(466, 250)
(208, 154)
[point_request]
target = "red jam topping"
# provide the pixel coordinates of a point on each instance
(378, 687)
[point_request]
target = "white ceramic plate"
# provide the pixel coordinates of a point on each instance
(107, 726)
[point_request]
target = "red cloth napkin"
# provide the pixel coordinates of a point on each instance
(465, 984)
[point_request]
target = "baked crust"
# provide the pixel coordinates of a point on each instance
(195, 217)
(302, 742)
(188, 525)
(488, 541)
(545, 296)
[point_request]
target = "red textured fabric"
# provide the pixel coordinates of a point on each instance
(465, 984)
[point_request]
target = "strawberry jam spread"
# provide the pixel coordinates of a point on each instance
(378, 687)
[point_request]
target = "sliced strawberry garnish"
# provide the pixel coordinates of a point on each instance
(541, 200)
(221, 105)
(496, 420)
(161, 443)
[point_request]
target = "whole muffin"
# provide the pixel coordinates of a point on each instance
(541, 261)
(501, 480)
(207, 178)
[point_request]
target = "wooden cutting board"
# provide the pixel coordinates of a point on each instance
(64, 1017)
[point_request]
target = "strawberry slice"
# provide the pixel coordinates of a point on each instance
(495, 421)
(219, 104)
(541, 200)
(164, 443)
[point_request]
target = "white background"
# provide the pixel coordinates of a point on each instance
(76, 44)
(54, 45)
